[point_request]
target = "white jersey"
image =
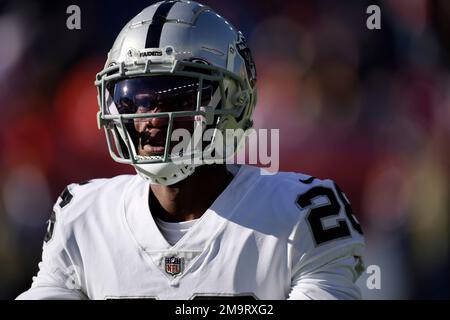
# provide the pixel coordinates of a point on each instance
(276, 236)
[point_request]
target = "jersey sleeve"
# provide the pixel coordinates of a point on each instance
(327, 246)
(58, 277)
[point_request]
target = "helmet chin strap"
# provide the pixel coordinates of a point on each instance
(164, 173)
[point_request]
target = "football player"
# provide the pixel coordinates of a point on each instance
(188, 229)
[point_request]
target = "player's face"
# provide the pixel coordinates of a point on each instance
(153, 95)
(152, 132)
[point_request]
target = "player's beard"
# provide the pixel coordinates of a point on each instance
(151, 142)
(149, 145)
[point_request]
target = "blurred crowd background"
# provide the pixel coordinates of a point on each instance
(367, 108)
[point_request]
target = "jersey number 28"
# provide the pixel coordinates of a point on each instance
(318, 212)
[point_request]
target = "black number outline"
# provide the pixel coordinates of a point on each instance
(51, 222)
(348, 210)
(66, 196)
(317, 213)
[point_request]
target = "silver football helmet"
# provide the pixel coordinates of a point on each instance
(177, 64)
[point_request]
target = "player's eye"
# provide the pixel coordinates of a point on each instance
(125, 105)
(159, 94)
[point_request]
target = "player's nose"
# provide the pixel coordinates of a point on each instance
(158, 122)
(155, 121)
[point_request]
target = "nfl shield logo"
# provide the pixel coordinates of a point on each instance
(174, 265)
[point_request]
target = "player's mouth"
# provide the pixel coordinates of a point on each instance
(152, 142)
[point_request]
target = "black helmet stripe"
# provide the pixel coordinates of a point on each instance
(158, 20)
